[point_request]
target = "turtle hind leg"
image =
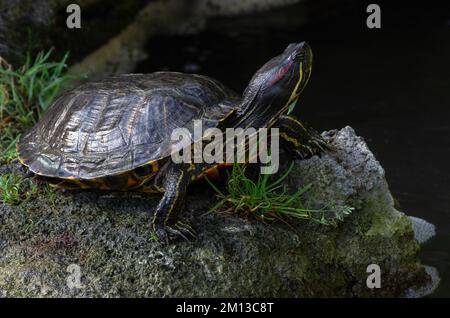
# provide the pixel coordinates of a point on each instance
(166, 223)
(300, 140)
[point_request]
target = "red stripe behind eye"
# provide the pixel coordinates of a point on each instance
(280, 73)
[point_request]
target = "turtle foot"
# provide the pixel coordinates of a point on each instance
(314, 145)
(170, 233)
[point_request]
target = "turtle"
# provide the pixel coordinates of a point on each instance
(114, 133)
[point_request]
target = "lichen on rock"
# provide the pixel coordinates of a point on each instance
(107, 236)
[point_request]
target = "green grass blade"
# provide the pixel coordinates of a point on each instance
(269, 201)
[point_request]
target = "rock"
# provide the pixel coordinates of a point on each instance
(98, 244)
(426, 289)
(423, 230)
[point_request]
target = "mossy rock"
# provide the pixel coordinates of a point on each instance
(107, 236)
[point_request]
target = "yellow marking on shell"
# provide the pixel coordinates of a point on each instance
(154, 164)
(100, 183)
(212, 172)
(131, 182)
(79, 183)
(150, 189)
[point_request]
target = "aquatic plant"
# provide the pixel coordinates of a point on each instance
(270, 200)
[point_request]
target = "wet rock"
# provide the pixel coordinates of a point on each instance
(423, 230)
(98, 244)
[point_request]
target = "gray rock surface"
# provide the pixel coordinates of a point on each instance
(423, 230)
(106, 235)
(428, 288)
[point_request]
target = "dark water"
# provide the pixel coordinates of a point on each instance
(392, 85)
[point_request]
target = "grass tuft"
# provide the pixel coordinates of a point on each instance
(269, 201)
(14, 189)
(8, 141)
(49, 193)
(25, 93)
(153, 237)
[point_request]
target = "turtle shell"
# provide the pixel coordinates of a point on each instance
(120, 123)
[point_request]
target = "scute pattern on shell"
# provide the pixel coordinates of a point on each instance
(119, 123)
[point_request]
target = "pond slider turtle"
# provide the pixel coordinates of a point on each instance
(114, 133)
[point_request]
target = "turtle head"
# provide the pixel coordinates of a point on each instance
(275, 87)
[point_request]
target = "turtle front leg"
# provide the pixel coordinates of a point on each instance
(166, 223)
(298, 139)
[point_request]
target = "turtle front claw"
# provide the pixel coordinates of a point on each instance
(299, 139)
(314, 145)
(181, 229)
